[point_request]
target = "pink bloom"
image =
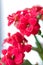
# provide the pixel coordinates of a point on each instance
(15, 55)
(10, 19)
(41, 11)
(4, 51)
(26, 20)
(14, 17)
(36, 29)
(16, 50)
(27, 48)
(37, 8)
(12, 57)
(0, 64)
(26, 26)
(15, 39)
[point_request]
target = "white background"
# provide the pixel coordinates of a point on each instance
(11, 6)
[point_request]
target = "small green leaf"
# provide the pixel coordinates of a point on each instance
(42, 36)
(39, 16)
(41, 55)
(26, 62)
(39, 33)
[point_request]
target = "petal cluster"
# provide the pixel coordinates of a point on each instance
(15, 53)
(27, 20)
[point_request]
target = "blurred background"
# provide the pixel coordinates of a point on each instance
(9, 7)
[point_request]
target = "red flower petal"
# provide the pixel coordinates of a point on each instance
(4, 51)
(19, 59)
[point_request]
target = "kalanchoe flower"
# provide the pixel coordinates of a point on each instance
(37, 8)
(27, 26)
(14, 17)
(14, 56)
(10, 19)
(27, 20)
(4, 51)
(16, 38)
(41, 11)
(15, 53)
(0, 64)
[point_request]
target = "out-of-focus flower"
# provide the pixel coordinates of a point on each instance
(0, 64)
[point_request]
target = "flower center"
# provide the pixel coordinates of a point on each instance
(28, 25)
(12, 57)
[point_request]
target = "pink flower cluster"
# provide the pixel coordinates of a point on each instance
(27, 22)
(0, 64)
(14, 55)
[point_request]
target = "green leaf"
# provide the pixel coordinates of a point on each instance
(39, 16)
(41, 55)
(39, 32)
(42, 36)
(26, 62)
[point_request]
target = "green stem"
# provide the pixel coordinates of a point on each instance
(41, 55)
(38, 43)
(34, 48)
(26, 62)
(39, 48)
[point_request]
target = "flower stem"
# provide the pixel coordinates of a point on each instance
(39, 48)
